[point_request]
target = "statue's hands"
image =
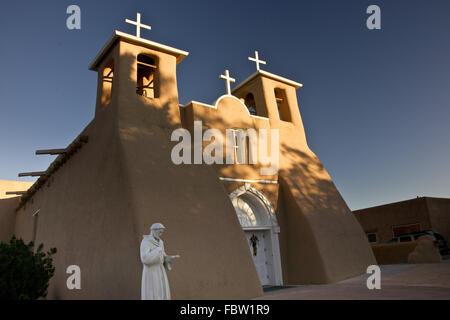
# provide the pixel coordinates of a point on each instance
(171, 258)
(168, 261)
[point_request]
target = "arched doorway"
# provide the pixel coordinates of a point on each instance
(257, 218)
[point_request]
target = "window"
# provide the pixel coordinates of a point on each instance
(107, 83)
(239, 149)
(146, 76)
(249, 101)
(245, 146)
(372, 237)
(282, 105)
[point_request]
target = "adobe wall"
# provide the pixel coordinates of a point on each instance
(85, 213)
(7, 218)
(426, 251)
(8, 185)
(8, 204)
(381, 219)
(439, 215)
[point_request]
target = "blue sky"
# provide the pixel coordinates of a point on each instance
(375, 103)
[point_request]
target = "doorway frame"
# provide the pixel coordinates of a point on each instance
(273, 230)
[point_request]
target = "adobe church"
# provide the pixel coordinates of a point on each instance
(235, 229)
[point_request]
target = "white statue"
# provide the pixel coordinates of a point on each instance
(155, 285)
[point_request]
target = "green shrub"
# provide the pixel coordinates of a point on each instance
(24, 274)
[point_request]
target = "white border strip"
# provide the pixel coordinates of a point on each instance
(180, 54)
(217, 102)
(296, 85)
(249, 181)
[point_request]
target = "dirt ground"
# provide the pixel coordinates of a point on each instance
(398, 282)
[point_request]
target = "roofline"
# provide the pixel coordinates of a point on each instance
(180, 54)
(397, 202)
(268, 75)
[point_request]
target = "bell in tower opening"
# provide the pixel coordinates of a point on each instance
(146, 76)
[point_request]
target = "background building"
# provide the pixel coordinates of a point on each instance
(382, 223)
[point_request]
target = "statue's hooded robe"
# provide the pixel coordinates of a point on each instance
(155, 285)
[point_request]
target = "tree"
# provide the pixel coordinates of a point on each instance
(24, 274)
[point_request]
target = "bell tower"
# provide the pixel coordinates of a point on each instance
(273, 97)
(137, 73)
(270, 96)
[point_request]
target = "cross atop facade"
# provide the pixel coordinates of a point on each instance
(228, 80)
(138, 24)
(256, 60)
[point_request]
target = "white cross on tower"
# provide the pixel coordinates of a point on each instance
(138, 24)
(256, 59)
(228, 79)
